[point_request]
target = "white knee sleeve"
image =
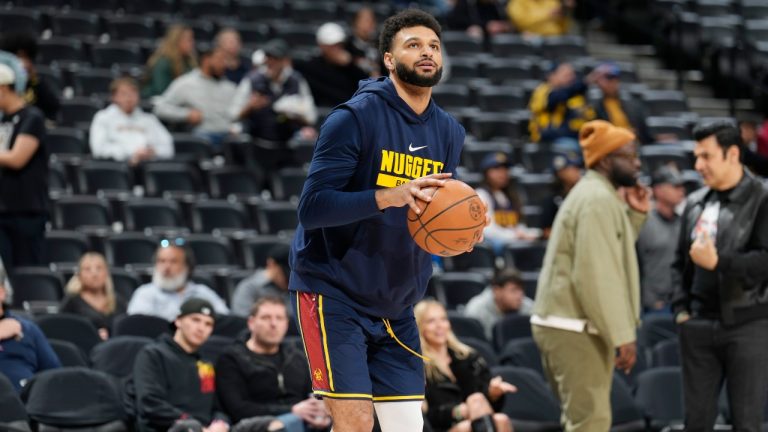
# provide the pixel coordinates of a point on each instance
(400, 416)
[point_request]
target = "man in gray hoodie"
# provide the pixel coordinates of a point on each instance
(201, 98)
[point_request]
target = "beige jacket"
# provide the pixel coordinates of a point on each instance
(590, 268)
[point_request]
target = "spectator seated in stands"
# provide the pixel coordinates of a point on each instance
(559, 107)
(362, 44)
(755, 148)
(333, 75)
(91, 293)
(460, 396)
(264, 376)
(504, 296)
(173, 58)
(24, 350)
(170, 381)
(200, 99)
(503, 203)
(622, 113)
(658, 239)
(274, 101)
(228, 40)
(124, 132)
(541, 17)
(567, 167)
(37, 92)
(478, 18)
(171, 285)
(270, 281)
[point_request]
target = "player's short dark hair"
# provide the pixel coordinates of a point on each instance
(726, 134)
(18, 42)
(405, 19)
(505, 276)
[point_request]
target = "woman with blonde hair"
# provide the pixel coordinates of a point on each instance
(90, 293)
(174, 57)
(461, 396)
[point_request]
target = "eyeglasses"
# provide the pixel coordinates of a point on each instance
(178, 242)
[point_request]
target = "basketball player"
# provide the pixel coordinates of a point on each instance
(356, 272)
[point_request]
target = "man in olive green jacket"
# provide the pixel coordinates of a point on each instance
(588, 297)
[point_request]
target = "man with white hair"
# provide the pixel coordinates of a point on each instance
(333, 75)
(171, 285)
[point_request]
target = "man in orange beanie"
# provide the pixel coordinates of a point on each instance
(588, 299)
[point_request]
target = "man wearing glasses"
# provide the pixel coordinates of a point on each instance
(588, 298)
(171, 285)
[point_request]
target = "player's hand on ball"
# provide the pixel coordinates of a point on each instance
(407, 193)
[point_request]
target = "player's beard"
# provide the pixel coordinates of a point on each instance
(411, 76)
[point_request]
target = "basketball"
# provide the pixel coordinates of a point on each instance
(451, 223)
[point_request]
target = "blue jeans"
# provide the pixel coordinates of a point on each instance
(292, 423)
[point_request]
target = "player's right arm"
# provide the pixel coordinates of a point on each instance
(324, 201)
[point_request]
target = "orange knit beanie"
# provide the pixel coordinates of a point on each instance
(598, 138)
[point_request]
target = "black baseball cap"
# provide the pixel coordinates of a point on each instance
(667, 175)
(196, 306)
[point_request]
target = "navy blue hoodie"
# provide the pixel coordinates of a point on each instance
(346, 248)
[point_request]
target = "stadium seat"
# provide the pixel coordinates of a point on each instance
(507, 45)
(511, 327)
(666, 353)
(93, 82)
(482, 258)
(315, 11)
(661, 102)
(156, 8)
(231, 326)
(533, 407)
(483, 348)
(450, 96)
(104, 175)
(522, 352)
(525, 256)
(296, 34)
(117, 355)
(155, 213)
(210, 9)
(668, 126)
(123, 54)
(125, 282)
(660, 397)
(458, 288)
(215, 346)
(495, 125)
(537, 189)
(64, 248)
(131, 27)
(252, 33)
(501, 98)
(191, 148)
(256, 250)
(302, 151)
(211, 215)
(625, 413)
(174, 177)
(62, 50)
(36, 286)
(73, 212)
(537, 158)
(505, 69)
(654, 156)
(530, 280)
(97, 5)
(13, 414)
(256, 10)
(236, 181)
(74, 23)
(287, 183)
(209, 250)
(71, 328)
(464, 326)
(276, 216)
(84, 398)
(130, 248)
(20, 20)
(464, 70)
(147, 326)
(459, 43)
(78, 111)
(69, 354)
(562, 48)
(66, 140)
(57, 178)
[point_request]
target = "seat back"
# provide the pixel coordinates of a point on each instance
(140, 325)
(117, 355)
(71, 328)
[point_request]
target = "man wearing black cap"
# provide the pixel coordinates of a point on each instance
(274, 101)
(171, 382)
(270, 281)
(656, 244)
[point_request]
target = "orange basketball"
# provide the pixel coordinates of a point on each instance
(451, 223)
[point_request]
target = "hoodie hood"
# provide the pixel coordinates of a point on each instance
(385, 89)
